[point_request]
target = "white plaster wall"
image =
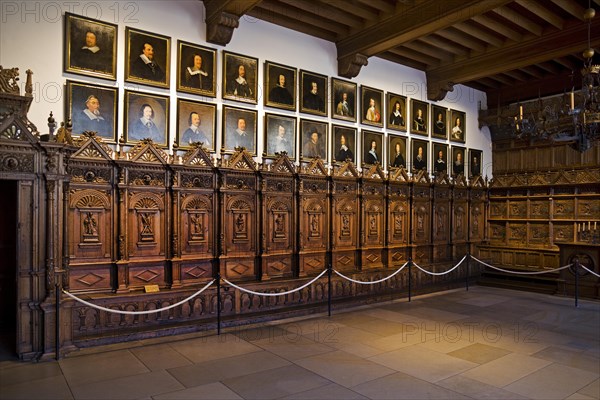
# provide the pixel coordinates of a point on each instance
(31, 37)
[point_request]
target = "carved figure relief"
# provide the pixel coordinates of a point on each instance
(458, 227)
(373, 225)
(278, 226)
(398, 224)
(345, 225)
(146, 227)
(314, 225)
(90, 228)
(196, 227)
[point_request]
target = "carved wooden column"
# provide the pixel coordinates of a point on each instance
(477, 213)
(460, 218)
(373, 218)
(239, 217)
(421, 220)
(91, 216)
(194, 218)
(398, 218)
(148, 227)
(345, 214)
(314, 236)
(278, 216)
(442, 196)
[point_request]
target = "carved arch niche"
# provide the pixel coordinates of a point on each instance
(279, 218)
(373, 218)
(460, 217)
(239, 220)
(398, 213)
(442, 217)
(421, 217)
(146, 225)
(345, 206)
(314, 218)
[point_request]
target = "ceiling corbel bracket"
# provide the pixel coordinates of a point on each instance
(220, 27)
(349, 66)
(437, 90)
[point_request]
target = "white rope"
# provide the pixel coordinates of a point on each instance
(442, 273)
(521, 273)
(589, 270)
(87, 303)
(370, 282)
(274, 294)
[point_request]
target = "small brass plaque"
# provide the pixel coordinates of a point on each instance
(151, 288)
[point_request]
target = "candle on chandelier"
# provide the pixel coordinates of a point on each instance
(520, 112)
(572, 100)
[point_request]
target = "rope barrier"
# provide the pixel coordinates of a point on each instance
(110, 310)
(370, 282)
(521, 273)
(274, 294)
(589, 270)
(441, 273)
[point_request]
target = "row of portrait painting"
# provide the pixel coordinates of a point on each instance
(90, 49)
(94, 108)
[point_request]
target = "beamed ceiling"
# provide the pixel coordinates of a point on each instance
(512, 50)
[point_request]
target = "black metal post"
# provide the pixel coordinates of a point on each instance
(577, 282)
(467, 274)
(57, 327)
(409, 279)
(329, 269)
(218, 303)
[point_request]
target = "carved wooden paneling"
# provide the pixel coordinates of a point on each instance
(279, 218)
(239, 217)
(345, 210)
(373, 218)
(314, 240)
(563, 209)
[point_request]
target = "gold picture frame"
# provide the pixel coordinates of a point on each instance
(240, 78)
(196, 69)
(147, 58)
(93, 108)
(196, 123)
(239, 129)
(280, 84)
(146, 117)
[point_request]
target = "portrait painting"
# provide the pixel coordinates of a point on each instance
(313, 93)
(396, 108)
(239, 129)
(419, 149)
(397, 151)
(196, 69)
(147, 58)
(344, 144)
(314, 137)
(475, 163)
(92, 108)
(440, 158)
(240, 78)
(372, 148)
(280, 135)
(457, 126)
(90, 47)
(146, 117)
(419, 111)
(280, 82)
(371, 101)
(439, 122)
(196, 123)
(458, 160)
(343, 97)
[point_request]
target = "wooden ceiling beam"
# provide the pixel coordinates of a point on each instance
(444, 45)
(549, 67)
(568, 63)
(462, 39)
(398, 59)
(497, 27)
(283, 20)
(324, 10)
(356, 10)
(479, 34)
(511, 15)
(542, 12)
(405, 26)
(571, 7)
(222, 17)
(517, 75)
(440, 55)
(547, 86)
(415, 55)
(502, 78)
(385, 7)
(512, 56)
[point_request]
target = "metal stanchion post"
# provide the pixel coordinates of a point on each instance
(577, 282)
(329, 290)
(467, 274)
(57, 327)
(218, 303)
(409, 278)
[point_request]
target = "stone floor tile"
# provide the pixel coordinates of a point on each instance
(329, 392)
(554, 381)
(54, 387)
(276, 383)
(344, 368)
(225, 368)
(506, 370)
(592, 390)
(210, 391)
(159, 357)
(213, 347)
(571, 358)
(476, 389)
(479, 353)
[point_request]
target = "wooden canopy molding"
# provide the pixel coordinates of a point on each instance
(492, 45)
